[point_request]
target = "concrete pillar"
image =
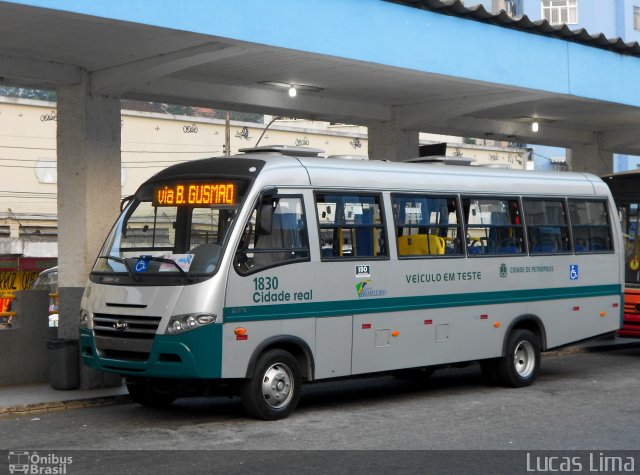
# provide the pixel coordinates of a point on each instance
(387, 141)
(589, 158)
(88, 195)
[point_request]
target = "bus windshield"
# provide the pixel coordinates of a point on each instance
(172, 229)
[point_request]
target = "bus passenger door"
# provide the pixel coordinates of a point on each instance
(270, 289)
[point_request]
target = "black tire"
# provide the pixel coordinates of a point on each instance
(521, 363)
(147, 395)
(274, 390)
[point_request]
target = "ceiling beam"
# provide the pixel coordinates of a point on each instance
(513, 131)
(117, 80)
(15, 70)
(310, 105)
(621, 141)
(417, 116)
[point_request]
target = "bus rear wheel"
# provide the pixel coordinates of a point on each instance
(147, 395)
(274, 390)
(521, 363)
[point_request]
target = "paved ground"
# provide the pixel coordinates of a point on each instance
(36, 398)
(582, 401)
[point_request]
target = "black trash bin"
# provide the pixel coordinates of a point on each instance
(63, 363)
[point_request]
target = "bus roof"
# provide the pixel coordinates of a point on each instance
(277, 169)
(378, 174)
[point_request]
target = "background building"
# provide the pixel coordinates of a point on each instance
(612, 18)
(155, 136)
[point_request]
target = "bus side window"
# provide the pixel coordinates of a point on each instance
(276, 234)
(590, 226)
(350, 226)
(547, 226)
(493, 226)
(426, 225)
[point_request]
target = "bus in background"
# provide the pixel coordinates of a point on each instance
(255, 273)
(625, 187)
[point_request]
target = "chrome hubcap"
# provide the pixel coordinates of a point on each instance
(524, 359)
(277, 385)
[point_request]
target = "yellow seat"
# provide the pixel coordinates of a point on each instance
(420, 245)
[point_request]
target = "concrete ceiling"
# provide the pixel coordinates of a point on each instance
(43, 48)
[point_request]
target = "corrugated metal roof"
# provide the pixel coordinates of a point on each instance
(523, 23)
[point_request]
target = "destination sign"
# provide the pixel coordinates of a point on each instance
(194, 194)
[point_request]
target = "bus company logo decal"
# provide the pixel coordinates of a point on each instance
(363, 272)
(503, 270)
(23, 461)
(365, 290)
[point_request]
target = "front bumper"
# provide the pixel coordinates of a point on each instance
(196, 354)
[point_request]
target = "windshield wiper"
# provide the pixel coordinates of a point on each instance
(126, 265)
(136, 277)
(177, 266)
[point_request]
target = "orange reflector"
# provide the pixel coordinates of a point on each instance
(240, 331)
(395, 333)
(603, 314)
(497, 324)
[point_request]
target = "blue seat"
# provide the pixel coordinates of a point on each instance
(364, 236)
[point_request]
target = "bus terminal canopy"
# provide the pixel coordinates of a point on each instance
(398, 67)
(415, 65)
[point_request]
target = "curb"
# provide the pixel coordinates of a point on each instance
(40, 407)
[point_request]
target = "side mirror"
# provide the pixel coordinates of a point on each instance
(125, 201)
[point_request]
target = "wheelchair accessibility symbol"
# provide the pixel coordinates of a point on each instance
(574, 273)
(142, 264)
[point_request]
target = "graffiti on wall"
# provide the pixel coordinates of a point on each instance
(243, 134)
(190, 129)
(51, 116)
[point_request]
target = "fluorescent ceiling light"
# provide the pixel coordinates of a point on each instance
(290, 85)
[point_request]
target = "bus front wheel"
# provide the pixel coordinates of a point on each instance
(521, 363)
(274, 389)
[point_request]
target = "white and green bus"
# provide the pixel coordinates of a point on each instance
(256, 273)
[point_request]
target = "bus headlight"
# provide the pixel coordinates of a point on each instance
(184, 323)
(86, 321)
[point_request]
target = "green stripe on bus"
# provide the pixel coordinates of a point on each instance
(421, 302)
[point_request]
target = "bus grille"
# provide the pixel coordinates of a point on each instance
(124, 337)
